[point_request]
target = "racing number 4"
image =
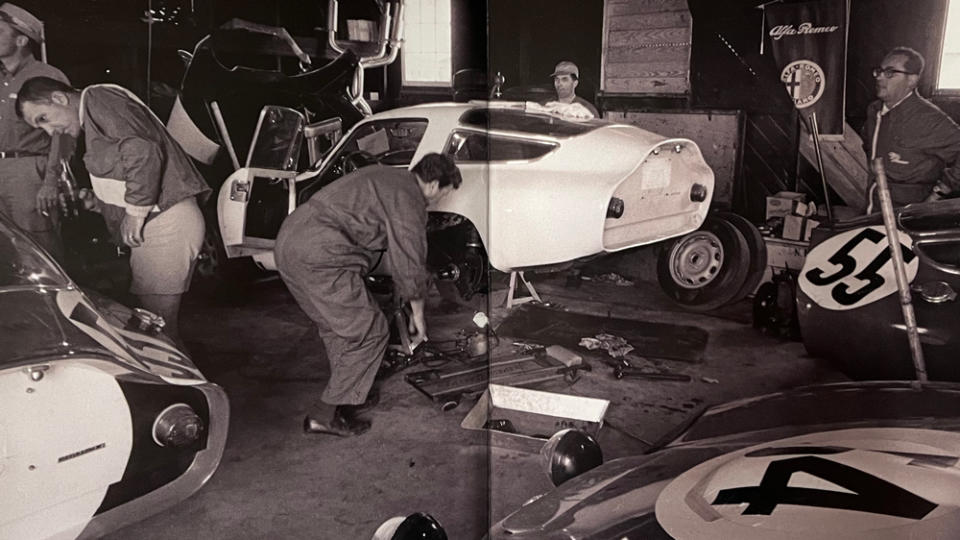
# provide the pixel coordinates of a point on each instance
(869, 493)
(848, 264)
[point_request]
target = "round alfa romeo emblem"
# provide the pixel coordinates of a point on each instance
(804, 81)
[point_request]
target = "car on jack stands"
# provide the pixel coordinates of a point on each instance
(104, 421)
(870, 460)
(848, 304)
(540, 191)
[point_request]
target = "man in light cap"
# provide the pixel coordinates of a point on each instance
(566, 77)
(29, 163)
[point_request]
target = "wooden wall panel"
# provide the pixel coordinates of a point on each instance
(716, 133)
(633, 7)
(646, 47)
(769, 162)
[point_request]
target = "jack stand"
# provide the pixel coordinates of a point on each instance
(513, 289)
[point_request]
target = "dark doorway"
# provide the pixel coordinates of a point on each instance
(527, 38)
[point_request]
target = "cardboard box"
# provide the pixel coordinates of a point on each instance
(798, 228)
(534, 415)
(783, 254)
(793, 227)
(784, 203)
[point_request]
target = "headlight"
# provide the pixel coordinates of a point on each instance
(569, 453)
(418, 526)
(178, 425)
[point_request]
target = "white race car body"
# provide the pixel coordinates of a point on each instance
(102, 423)
(538, 188)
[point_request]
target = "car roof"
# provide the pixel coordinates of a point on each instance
(507, 116)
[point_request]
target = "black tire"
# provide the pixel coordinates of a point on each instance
(758, 253)
(477, 302)
(705, 269)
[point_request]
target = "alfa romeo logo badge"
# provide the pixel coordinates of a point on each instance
(804, 81)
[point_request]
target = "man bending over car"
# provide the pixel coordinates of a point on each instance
(145, 185)
(325, 249)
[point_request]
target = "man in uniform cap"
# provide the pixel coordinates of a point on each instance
(566, 77)
(29, 163)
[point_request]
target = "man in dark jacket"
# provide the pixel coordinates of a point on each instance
(918, 143)
(142, 179)
(329, 244)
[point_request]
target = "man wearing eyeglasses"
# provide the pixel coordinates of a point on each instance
(918, 142)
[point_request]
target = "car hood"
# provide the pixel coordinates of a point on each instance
(32, 326)
(678, 491)
(43, 323)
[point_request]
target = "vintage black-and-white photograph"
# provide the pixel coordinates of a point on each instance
(479, 269)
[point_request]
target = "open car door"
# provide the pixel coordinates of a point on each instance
(256, 198)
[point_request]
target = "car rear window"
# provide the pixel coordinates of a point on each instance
(533, 123)
(467, 146)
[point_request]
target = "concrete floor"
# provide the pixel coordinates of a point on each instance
(276, 482)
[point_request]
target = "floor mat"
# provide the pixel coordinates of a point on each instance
(653, 340)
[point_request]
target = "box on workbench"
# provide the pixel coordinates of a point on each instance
(534, 415)
(785, 203)
(783, 255)
(798, 227)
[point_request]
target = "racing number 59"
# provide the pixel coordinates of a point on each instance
(848, 264)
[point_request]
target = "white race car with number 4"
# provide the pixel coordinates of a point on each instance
(862, 461)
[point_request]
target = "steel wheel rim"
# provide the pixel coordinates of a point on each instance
(696, 260)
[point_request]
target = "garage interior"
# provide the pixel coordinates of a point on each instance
(680, 68)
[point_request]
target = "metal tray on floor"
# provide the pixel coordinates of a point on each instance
(448, 384)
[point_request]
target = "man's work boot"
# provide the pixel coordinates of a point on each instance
(343, 424)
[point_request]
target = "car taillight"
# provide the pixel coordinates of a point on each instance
(698, 193)
(615, 208)
(178, 425)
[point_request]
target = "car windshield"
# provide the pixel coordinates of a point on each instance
(526, 122)
(22, 263)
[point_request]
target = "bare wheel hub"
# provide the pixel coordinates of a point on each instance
(696, 260)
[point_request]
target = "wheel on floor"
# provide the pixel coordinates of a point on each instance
(705, 269)
(758, 253)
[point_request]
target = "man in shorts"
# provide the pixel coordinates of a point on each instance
(144, 182)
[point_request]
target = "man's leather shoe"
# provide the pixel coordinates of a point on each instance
(343, 425)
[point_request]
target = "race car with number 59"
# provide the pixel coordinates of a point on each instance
(103, 420)
(848, 305)
(867, 461)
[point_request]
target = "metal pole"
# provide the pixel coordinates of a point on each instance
(823, 174)
(900, 270)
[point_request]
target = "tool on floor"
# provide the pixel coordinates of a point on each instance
(449, 384)
(511, 300)
(624, 368)
(622, 371)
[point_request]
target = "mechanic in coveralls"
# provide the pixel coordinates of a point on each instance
(325, 249)
(143, 181)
